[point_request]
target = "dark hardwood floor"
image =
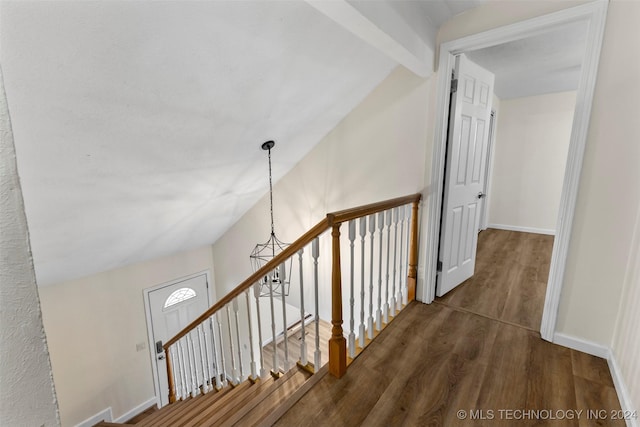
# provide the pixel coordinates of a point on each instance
(473, 359)
(510, 279)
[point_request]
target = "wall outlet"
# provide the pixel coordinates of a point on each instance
(141, 346)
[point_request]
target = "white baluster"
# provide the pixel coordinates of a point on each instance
(352, 301)
(386, 292)
(275, 369)
(222, 359)
(240, 376)
(207, 354)
(254, 370)
(303, 339)
(216, 371)
(193, 367)
(379, 310)
(372, 229)
(234, 370)
(401, 215)
(256, 295)
(408, 209)
(395, 262)
(315, 253)
(363, 233)
(175, 368)
(283, 278)
(203, 360)
(183, 369)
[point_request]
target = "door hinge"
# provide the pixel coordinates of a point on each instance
(454, 85)
(439, 266)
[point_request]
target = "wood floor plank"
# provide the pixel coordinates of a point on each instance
(591, 368)
(599, 403)
(550, 381)
(510, 278)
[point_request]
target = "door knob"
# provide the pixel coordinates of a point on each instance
(161, 357)
(481, 195)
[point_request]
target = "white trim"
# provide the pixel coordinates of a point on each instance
(595, 14)
(137, 410)
(626, 403)
(582, 345)
(104, 415)
(523, 229)
(147, 312)
(604, 352)
(488, 179)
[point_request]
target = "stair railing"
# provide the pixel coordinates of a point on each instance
(215, 349)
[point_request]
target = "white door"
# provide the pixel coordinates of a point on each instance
(171, 307)
(464, 175)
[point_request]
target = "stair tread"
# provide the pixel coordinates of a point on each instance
(246, 402)
(172, 411)
(233, 400)
(265, 402)
(187, 416)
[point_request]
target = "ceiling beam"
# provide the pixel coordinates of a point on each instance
(381, 26)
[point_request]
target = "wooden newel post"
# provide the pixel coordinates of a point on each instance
(172, 393)
(337, 342)
(413, 254)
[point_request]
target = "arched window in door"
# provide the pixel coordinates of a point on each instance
(178, 296)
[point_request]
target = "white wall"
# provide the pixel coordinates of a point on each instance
(93, 325)
(377, 152)
(530, 154)
(27, 395)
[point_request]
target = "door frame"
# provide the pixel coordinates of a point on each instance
(147, 311)
(484, 224)
(595, 14)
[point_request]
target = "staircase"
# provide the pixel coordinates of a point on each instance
(250, 403)
(213, 363)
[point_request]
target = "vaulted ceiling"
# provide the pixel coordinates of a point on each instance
(138, 124)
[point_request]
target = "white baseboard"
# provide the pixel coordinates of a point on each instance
(523, 229)
(623, 392)
(582, 345)
(604, 352)
(104, 415)
(107, 414)
(135, 411)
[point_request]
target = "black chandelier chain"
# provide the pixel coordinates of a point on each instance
(271, 194)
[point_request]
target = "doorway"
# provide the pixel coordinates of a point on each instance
(169, 308)
(594, 15)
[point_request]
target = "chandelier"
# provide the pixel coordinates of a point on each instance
(277, 282)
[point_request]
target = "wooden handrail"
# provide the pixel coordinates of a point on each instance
(354, 213)
(337, 343)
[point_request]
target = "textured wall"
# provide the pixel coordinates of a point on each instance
(27, 396)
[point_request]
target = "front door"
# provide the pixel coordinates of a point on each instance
(464, 174)
(172, 307)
